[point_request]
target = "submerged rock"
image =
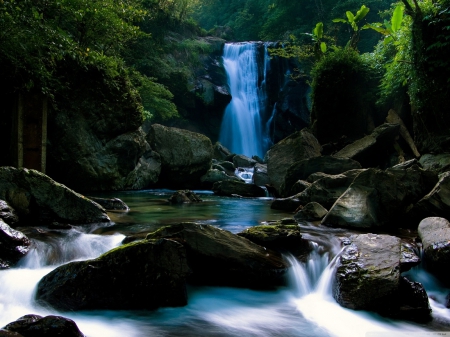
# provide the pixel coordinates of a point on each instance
(13, 245)
(141, 275)
(38, 198)
(183, 197)
(38, 326)
(231, 187)
(218, 257)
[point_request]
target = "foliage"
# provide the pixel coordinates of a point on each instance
(354, 21)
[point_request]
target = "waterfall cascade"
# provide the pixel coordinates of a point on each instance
(241, 129)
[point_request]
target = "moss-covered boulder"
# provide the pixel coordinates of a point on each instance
(218, 257)
(38, 198)
(38, 326)
(139, 275)
(13, 245)
(185, 156)
(184, 197)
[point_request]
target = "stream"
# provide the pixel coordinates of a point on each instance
(303, 308)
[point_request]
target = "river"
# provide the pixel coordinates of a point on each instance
(303, 308)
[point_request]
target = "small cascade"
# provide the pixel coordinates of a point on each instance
(245, 173)
(241, 129)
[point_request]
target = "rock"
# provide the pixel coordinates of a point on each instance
(8, 214)
(185, 155)
(48, 326)
(183, 197)
(260, 177)
(407, 164)
(141, 275)
(438, 163)
(435, 203)
(410, 256)
(231, 187)
(368, 274)
(218, 257)
(286, 204)
(298, 146)
(302, 169)
(213, 176)
(113, 204)
(243, 161)
(299, 187)
(435, 235)
(394, 118)
(311, 211)
(278, 236)
(220, 152)
(370, 151)
(414, 304)
(378, 198)
(38, 198)
(6, 333)
(13, 245)
(258, 159)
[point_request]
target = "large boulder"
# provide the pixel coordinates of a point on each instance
(13, 245)
(260, 176)
(8, 214)
(435, 235)
(370, 150)
(301, 170)
(243, 161)
(185, 156)
(218, 257)
(214, 175)
(298, 146)
(38, 198)
(231, 187)
(378, 198)
(38, 326)
(310, 212)
(140, 275)
(368, 278)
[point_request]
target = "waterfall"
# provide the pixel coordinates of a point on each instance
(241, 129)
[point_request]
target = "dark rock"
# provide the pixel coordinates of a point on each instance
(220, 152)
(414, 304)
(228, 166)
(299, 187)
(260, 177)
(6, 333)
(438, 163)
(370, 151)
(48, 326)
(258, 159)
(185, 155)
(218, 257)
(311, 211)
(410, 256)
(298, 146)
(286, 204)
(8, 214)
(57, 225)
(368, 274)
(231, 187)
(213, 176)
(184, 196)
(301, 170)
(318, 175)
(111, 204)
(13, 245)
(278, 236)
(378, 198)
(407, 164)
(243, 161)
(140, 275)
(37, 198)
(435, 235)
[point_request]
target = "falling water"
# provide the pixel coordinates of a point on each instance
(241, 129)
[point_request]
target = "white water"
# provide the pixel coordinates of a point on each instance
(241, 129)
(304, 308)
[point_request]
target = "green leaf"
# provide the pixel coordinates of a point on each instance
(397, 17)
(350, 17)
(361, 14)
(318, 30)
(323, 47)
(376, 28)
(340, 20)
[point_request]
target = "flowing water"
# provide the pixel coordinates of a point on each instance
(241, 131)
(304, 307)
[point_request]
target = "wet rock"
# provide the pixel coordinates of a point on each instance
(310, 212)
(298, 146)
(260, 176)
(218, 257)
(231, 187)
(220, 152)
(213, 176)
(299, 187)
(410, 256)
(407, 164)
(38, 326)
(438, 163)
(8, 214)
(243, 161)
(286, 204)
(301, 170)
(111, 204)
(13, 245)
(378, 198)
(435, 235)
(370, 151)
(258, 159)
(185, 155)
(414, 304)
(368, 274)
(38, 198)
(140, 275)
(184, 197)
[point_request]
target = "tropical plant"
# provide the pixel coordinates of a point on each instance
(354, 21)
